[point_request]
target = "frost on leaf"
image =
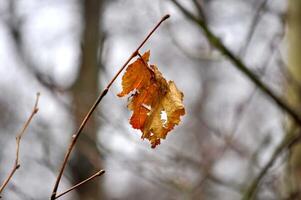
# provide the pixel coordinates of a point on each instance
(157, 105)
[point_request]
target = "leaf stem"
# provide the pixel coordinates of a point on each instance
(88, 115)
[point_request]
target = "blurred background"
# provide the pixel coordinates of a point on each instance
(69, 50)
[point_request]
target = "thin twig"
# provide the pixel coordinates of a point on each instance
(102, 94)
(99, 173)
(218, 44)
(18, 140)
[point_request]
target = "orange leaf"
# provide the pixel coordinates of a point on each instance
(136, 75)
(157, 105)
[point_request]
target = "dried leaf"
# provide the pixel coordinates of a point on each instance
(157, 105)
(136, 75)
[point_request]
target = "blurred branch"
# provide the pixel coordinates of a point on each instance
(204, 56)
(200, 9)
(194, 54)
(14, 25)
(237, 187)
(176, 158)
(288, 141)
(217, 43)
(287, 74)
(242, 111)
(99, 173)
(92, 109)
(252, 28)
(18, 140)
(18, 192)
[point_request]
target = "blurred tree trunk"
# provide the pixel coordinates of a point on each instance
(85, 90)
(294, 90)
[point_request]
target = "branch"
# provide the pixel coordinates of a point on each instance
(243, 110)
(102, 94)
(18, 140)
(287, 142)
(217, 43)
(99, 173)
(252, 27)
(200, 9)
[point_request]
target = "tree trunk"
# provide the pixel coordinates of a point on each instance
(294, 90)
(87, 158)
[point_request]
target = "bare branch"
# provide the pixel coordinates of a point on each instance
(92, 109)
(18, 140)
(99, 173)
